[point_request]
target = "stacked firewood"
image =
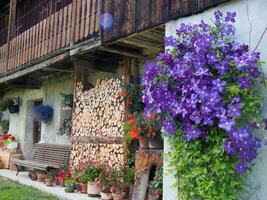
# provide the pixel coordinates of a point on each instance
(98, 113)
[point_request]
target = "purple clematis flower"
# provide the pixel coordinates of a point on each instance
(219, 85)
(222, 68)
(226, 124)
(234, 110)
(244, 82)
(228, 29)
(230, 16)
(241, 167)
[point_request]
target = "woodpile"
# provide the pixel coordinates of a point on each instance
(98, 120)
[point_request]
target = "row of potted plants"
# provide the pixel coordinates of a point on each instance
(91, 178)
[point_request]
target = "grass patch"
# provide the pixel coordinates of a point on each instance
(11, 190)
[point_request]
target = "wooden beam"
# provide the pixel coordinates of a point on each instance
(97, 139)
(24, 86)
(122, 52)
(34, 68)
(143, 44)
(11, 27)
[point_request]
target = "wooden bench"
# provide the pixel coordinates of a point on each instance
(45, 157)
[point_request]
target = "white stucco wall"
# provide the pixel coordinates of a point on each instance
(21, 124)
(251, 15)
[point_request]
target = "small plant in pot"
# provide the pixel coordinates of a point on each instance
(141, 127)
(118, 188)
(105, 183)
(92, 172)
(40, 175)
(33, 175)
(70, 185)
(83, 184)
(49, 180)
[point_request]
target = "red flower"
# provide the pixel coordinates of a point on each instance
(12, 138)
(135, 132)
(124, 94)
(5, 137)
(128, 103)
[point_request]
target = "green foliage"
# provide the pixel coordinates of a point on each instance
(203, 169)
(67, 99)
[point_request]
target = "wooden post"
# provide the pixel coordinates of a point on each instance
(11, 27)
(127, 79)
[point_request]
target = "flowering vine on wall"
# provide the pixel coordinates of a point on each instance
(204, 90)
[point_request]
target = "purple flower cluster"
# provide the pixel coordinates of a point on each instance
(187, 85)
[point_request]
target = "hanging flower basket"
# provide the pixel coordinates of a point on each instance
(43, 113)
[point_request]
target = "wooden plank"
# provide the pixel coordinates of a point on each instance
(51, 32)
(82, 22)
(69, 25)
(87, 16)
(54, 38)
(97, 13)
(64, 28)
(92, 17)
(11, 27)
(60, 29)
(43, 39)
(97, 139)
(78, 21)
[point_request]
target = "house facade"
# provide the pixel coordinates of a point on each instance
(90, 48)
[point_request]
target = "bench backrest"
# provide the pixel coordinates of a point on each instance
(51, 153)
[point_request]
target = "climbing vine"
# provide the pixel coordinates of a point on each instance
(204, 90)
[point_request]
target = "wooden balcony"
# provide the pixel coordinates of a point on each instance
(134, 16)
(61, 30)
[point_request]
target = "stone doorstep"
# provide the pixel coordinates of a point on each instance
(56, 191)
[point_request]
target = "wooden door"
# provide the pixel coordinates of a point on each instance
(37, 126)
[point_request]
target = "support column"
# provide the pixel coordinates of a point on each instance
(169, 192)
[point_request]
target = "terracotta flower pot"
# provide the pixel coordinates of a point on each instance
(155, 142)
(143, 143)
(118, 196)
(49, 182)
(61, 182)
(40, 177)
(106, 196)
(34, 177)
(93, 189)
(83, 188)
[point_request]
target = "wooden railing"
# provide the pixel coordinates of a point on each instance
(72, 24)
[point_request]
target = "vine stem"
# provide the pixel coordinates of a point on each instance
(260, 38)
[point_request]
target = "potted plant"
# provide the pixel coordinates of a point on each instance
(49, 180)
(118, 188)
(83, 184)
(62, 176)
(76, 178)
(33, 175)
(7, 141)
(141, 127)
(92, 172)
(70, 185)
(40, 176)
(105, 183)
